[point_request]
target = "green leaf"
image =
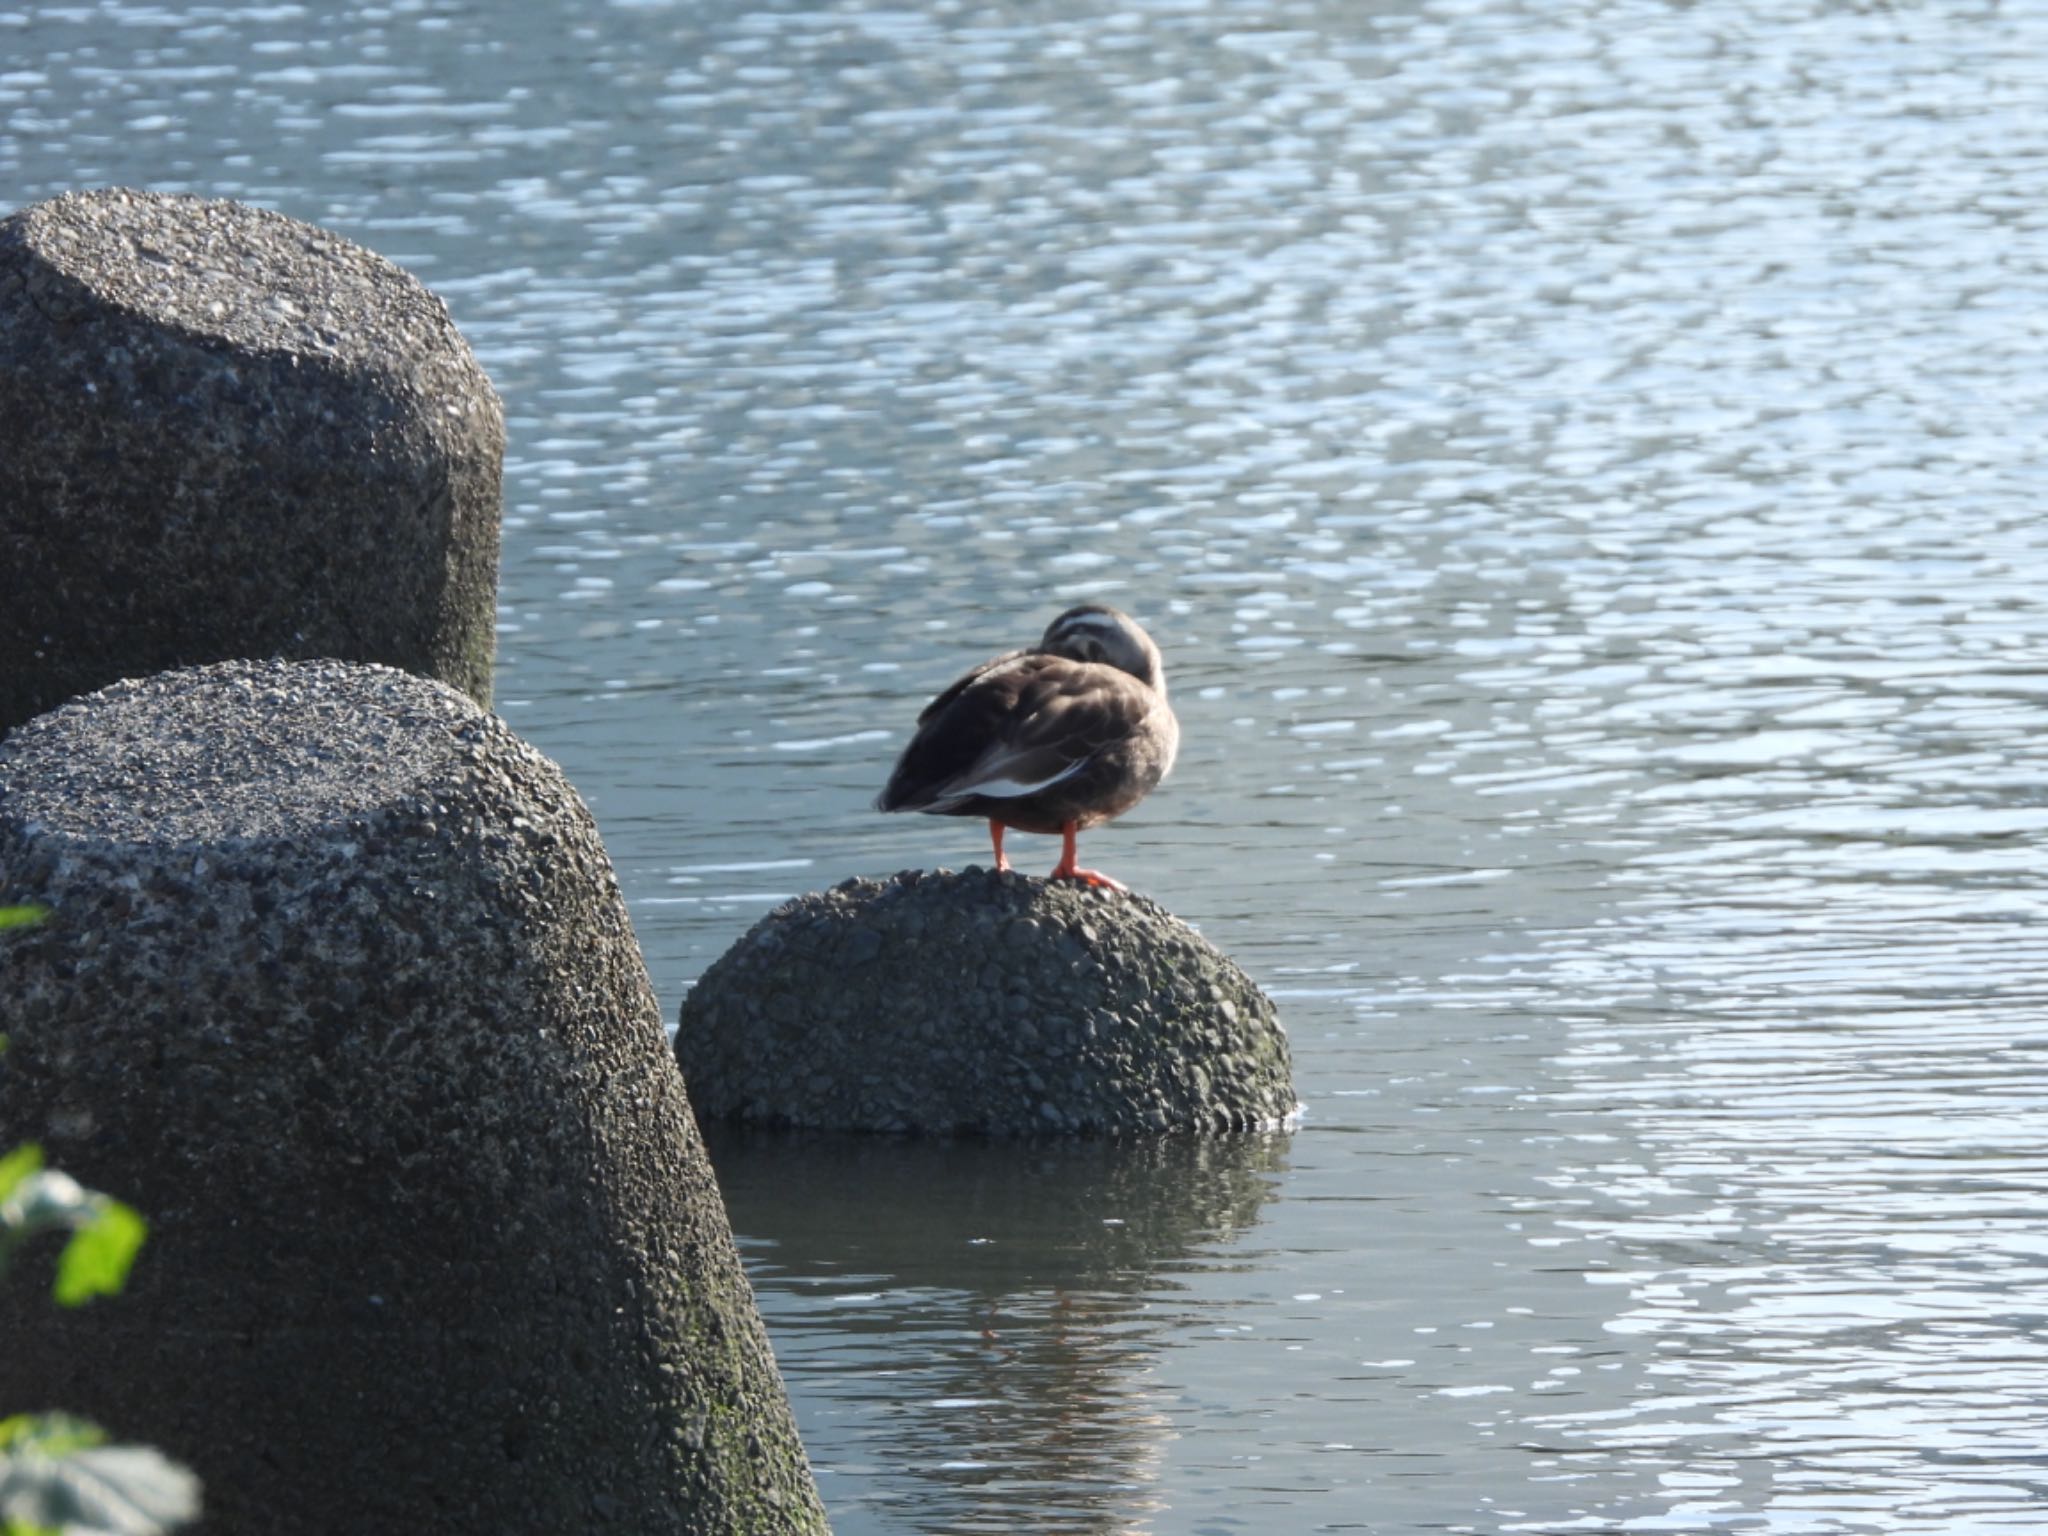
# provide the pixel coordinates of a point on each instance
(18, 1165)
(104, 1233)
(57, 1473)
(97, 1259)
(45, 1198)
(48, 1434)
(22, 917)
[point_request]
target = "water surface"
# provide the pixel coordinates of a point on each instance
(1582, 462)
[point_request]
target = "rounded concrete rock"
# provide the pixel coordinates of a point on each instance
(232, 434)
(981, 1003)
(336, 986)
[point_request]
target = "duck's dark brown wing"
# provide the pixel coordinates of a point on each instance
(965, 680)
(1014, 731)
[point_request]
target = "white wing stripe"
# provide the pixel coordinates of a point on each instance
(1010, 789)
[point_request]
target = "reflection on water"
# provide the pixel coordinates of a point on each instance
(1581, 463)
(988, 1316)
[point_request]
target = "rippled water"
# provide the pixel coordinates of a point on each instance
(1583, 463)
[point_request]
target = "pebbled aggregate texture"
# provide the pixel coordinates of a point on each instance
(338, 989)
(981, 1003)
(230, 434)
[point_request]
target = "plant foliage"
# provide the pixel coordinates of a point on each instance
(58, 1475)
(105, 1234)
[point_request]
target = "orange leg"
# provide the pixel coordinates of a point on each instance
(995, 835)
(1068, 869)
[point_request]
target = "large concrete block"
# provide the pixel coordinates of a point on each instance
(337, 987)
(232, 434)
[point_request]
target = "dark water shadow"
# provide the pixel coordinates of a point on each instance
(969, 1330)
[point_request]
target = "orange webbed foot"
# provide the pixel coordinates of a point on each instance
(1089, 877)
(1069, 866)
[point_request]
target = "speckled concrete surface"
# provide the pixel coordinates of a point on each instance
(229, 433)
(1000, 1005)
(337, 987)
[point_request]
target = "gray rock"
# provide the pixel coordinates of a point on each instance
(337, 987)
(999, 1005)
(229, 433)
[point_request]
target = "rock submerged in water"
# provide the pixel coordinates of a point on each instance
(981, 1003)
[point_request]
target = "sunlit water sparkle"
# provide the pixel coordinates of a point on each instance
(1583, 463)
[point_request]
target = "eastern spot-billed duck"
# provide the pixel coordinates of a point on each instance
(1063, 736)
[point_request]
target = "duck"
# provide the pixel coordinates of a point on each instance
(1050, 740)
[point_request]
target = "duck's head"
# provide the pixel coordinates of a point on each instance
(1096, 632)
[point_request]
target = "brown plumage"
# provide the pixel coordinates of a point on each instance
(1053, 739)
